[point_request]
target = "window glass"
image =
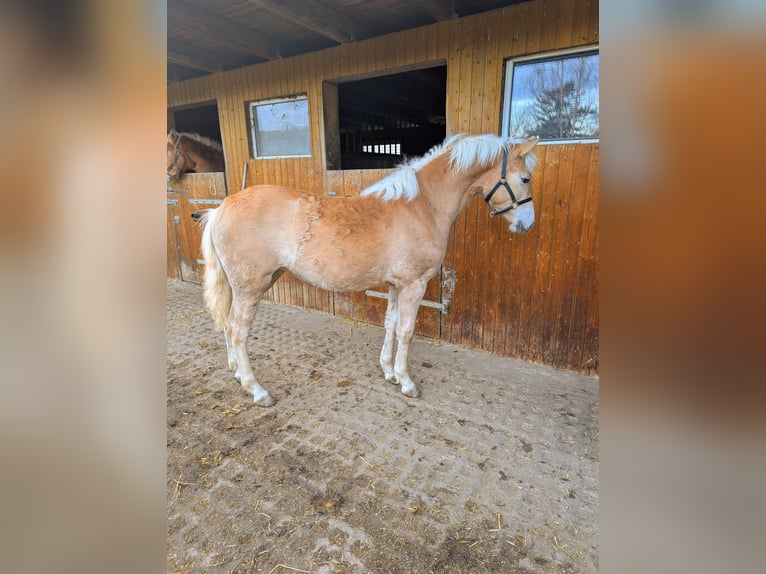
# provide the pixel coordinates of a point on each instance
(280, 128)
(554, 98)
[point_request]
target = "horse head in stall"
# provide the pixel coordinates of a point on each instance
(188, 152)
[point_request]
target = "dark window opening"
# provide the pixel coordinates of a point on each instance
(379, 121)
(202, 120)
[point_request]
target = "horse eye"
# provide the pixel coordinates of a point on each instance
(524, 180)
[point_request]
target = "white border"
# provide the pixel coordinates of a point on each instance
(507, 89)
(251, 121)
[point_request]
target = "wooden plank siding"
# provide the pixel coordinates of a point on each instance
(535, 297)
(172, 259)
(194, 192)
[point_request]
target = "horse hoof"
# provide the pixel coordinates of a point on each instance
(412, 392)
(264, 400)
(391, 379)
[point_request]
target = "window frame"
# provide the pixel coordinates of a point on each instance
(508, 68)
(251, 105)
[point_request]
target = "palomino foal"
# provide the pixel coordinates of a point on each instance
(395, 233)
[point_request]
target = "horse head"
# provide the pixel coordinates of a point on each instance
(506, 186)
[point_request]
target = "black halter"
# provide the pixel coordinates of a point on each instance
(175, 157)
(504, 183)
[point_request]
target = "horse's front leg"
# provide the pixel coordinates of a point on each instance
(387, 352)
(408, 304)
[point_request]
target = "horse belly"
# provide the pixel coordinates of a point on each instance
(337, 280)
(337, 269)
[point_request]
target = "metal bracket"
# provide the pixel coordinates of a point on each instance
(205, 201)
(440, 306)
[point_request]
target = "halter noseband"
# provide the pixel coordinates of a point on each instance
(504, 183)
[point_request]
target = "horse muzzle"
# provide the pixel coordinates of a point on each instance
(523, 219)
(518, 228)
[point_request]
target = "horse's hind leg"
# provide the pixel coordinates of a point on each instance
(232, 356)
(243, 308)
(387, 352)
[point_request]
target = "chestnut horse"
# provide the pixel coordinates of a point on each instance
(394, 233)
(192, 152)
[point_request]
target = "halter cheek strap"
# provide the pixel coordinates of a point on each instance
(175, 159)
(504, 183)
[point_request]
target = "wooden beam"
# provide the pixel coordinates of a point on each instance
(439, 10)
(331, 125)
(317, 18)
(180, 60)
(235, 35)
(189, 56)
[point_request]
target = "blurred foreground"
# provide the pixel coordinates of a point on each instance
(82, 416)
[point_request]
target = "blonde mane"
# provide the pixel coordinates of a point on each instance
(465, 152)
(173, 137)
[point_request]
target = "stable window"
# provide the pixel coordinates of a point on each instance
(376, 122)
(554, 97)
(280, 128)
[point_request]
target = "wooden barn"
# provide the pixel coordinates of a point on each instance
(329, 96)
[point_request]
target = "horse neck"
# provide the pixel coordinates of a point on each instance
(446, 191)
(205, 159)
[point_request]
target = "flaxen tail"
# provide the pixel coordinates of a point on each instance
(217, 288)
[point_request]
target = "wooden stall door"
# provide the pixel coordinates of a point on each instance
(193, 192)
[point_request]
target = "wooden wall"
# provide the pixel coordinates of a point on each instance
(535, 297)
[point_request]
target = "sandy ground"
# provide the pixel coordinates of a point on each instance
(493, 469)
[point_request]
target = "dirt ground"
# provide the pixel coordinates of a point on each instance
(494, 469)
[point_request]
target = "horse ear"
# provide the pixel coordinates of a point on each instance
(522, 149)
(173, 136)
